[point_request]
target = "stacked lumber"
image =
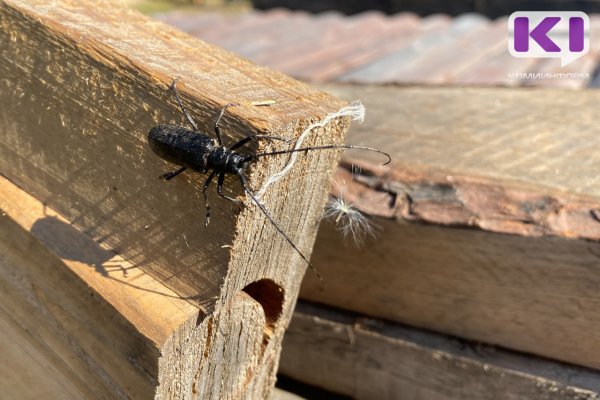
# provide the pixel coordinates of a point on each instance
(111, 286)
(482, 280)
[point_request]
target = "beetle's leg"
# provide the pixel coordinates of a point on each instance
(183, 110)
(220, 190)
(206, 205)
(245, 140)
(217, 129)
(170, 175)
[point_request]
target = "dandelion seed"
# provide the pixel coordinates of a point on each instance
(348, 220)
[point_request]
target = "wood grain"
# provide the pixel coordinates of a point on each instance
(81, 84)
(55, 285)
(523, 135)
(370, 359)
(23, 363)
(493, 256)
(105, 329)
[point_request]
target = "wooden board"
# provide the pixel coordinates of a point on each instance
(23, 364)
(523, 135)
(81, 84)
(99, 327)
(496, 257)
(370, 359)
(74, 133)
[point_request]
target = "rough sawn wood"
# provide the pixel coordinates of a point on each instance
(366, 359)
(81, 83)
(470, 241)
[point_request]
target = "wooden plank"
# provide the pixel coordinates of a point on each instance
(521, 135)
(81, 85)
(26, 353)
(371, 359)
(472, 272)
(56, 303)
(91, 325)
(466, 245)
(23, 364)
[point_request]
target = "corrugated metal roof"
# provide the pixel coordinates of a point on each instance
(376, 48)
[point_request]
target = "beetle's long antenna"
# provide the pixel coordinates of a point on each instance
(331, 146)
(276, 225)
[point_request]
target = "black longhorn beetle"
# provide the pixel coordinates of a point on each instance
(193, 149)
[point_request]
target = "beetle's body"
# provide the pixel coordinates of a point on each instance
(190, 148)
(194, 150)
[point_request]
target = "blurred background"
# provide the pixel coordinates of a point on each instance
(383, 42)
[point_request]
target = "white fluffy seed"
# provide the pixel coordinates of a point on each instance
(348, 220)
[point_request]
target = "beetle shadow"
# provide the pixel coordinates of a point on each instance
(69, 243)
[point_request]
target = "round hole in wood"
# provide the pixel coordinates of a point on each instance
(270, 296)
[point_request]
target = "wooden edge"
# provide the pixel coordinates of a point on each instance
(449, 199)
(371, 359)
(104, 84)
(481, 157)
(106, 329)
